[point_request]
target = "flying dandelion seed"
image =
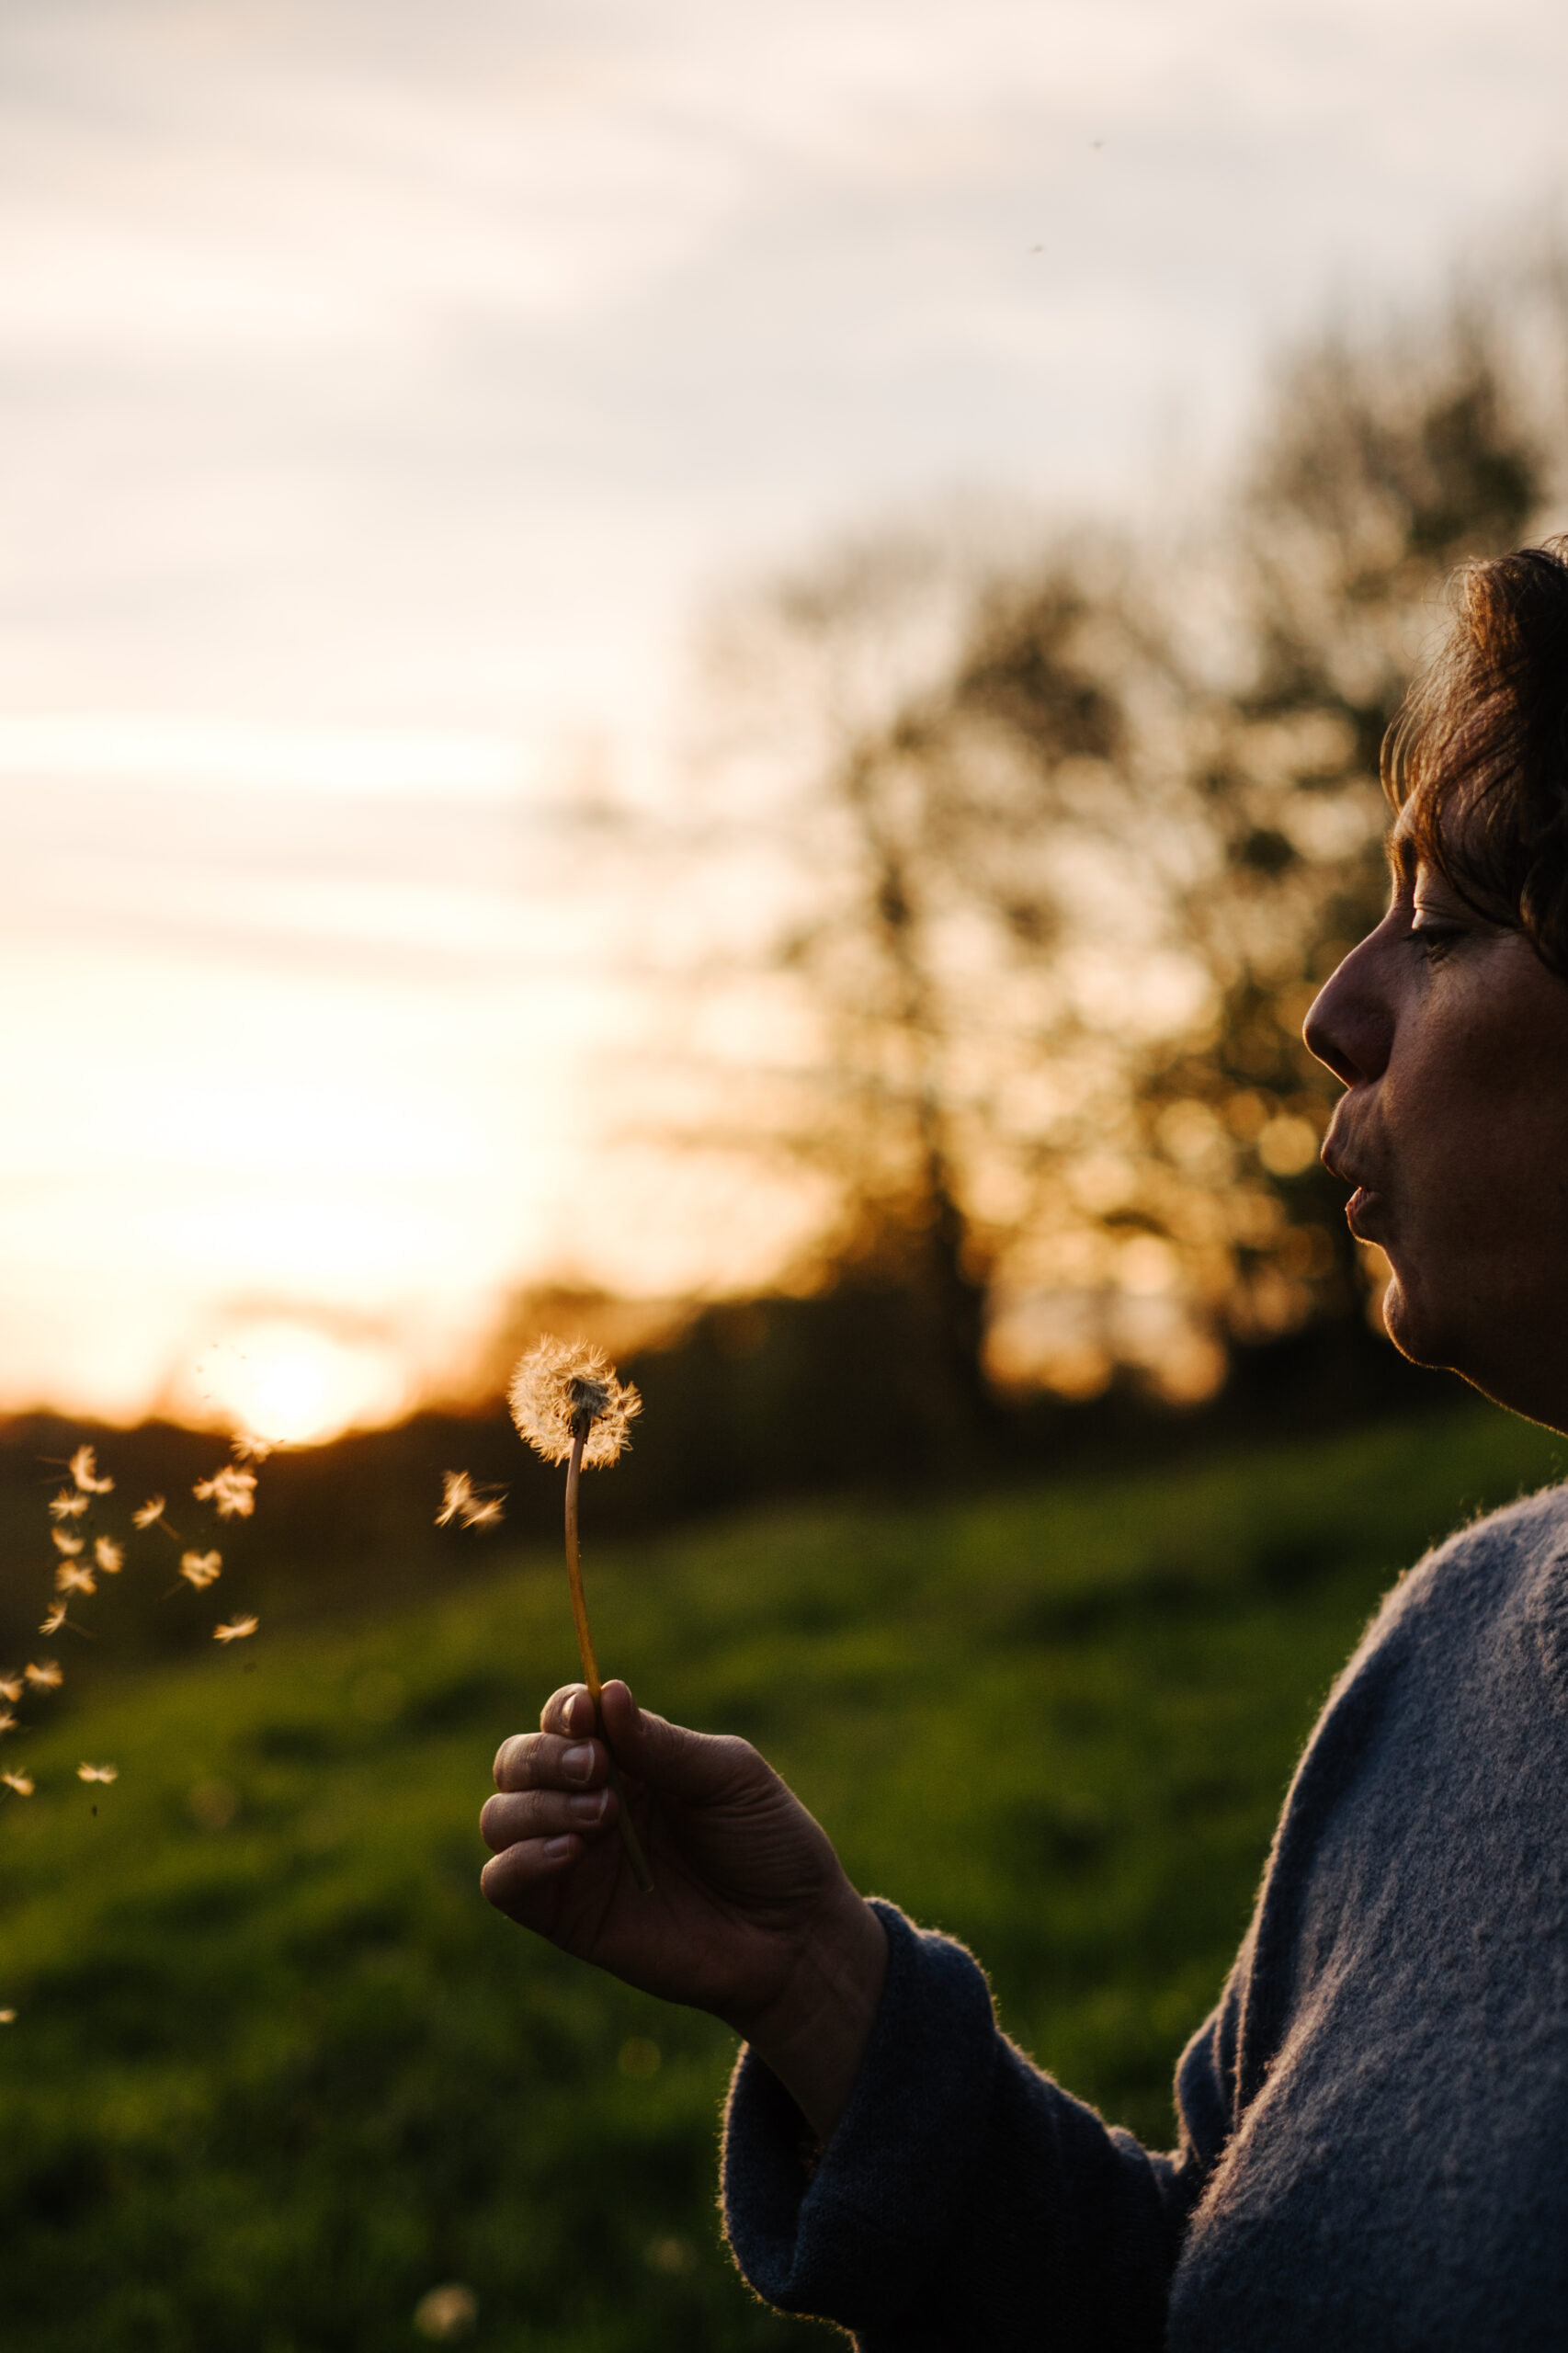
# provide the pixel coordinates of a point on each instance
(7, 1720)
(7, 2018)
(230, 1491)
(74, 1576)
(97, 1772)
(45, 1677)
(22, 1783)
(69, 1545)
(68, 1505)
(248, 1448)
(149, 1514)
(462, 1501)
(456, 1494)
(235, 1630)
(55, 1620)
(568, 1405)
(83, 1468)
(11, 1689)
(200, 1569)
(110, 1556)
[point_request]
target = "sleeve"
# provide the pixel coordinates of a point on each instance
(965, 2200)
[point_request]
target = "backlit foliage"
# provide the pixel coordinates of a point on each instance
(1071, 844)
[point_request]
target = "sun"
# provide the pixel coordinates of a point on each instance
(285, 1380)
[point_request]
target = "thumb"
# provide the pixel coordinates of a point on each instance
(693, 1765)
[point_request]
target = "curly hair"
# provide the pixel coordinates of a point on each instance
(1477, 761)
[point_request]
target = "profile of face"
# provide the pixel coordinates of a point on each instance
(1451, 1036)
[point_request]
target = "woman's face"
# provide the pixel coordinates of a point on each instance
(1451, 1037)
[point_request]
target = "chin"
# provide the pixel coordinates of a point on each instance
(1413, 1333)
(1537, 1392)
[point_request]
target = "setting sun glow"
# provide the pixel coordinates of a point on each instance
(291, 1384)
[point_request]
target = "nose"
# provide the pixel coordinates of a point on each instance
(1349, 1025)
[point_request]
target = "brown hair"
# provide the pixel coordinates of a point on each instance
(1477, 761)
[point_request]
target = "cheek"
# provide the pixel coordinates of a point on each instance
(1489, 1185)
(1479, 1119)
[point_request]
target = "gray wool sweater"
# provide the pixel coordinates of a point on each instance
(1373, 2124)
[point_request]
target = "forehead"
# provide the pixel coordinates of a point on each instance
(1399, 848)
(1409, 866)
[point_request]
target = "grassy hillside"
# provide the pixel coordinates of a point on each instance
(276, 2072)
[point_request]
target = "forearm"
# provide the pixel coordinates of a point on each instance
(814, 2037)
(963, 2195)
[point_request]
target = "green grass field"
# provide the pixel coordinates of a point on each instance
(276, 2071)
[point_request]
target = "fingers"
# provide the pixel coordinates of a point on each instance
(562, 1751)
(509, 1880)
(534, 1814)
(544, 1760)
(551, 1801)
(697, 1766)
(569, 1711)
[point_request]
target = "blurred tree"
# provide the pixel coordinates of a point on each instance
(1072, 844)
(928, 839)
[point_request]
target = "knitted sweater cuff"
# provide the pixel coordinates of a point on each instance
(852, 2241)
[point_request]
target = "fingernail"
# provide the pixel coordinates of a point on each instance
(557, 1849)
(588, 1808)
(578, 1764)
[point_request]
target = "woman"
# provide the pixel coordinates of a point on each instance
(1373, 2124)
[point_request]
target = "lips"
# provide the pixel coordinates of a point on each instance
(1363, 1210)
(1365, 1215)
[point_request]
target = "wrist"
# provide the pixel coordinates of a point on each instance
(814, 2036)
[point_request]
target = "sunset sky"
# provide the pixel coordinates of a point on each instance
(386, 391)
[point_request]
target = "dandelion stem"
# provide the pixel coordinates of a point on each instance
(629, 1838)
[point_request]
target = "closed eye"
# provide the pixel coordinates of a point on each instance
(1434, 939)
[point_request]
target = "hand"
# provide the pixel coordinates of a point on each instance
(751, 1914)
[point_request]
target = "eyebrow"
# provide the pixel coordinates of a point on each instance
(1399, 852)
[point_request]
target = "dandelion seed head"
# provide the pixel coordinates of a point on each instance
(235, 1630)
(230, 1491)
(45, 1675)
(55, 1620)
(97, 1772)
(69, 1504)
(200, 1569)
(563, 1389)
(74, 1576)
(69, 1545)
(110, 1556)
(149, 1514)
(23, 1785)
(83, 1468)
